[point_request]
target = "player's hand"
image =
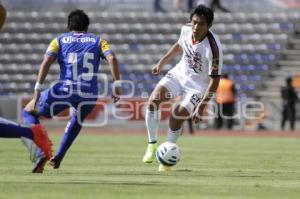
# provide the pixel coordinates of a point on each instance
(198, 113)
(31, 105)
(156, 70)
(117, 94)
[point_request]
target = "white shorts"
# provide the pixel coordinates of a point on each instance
(188, 87)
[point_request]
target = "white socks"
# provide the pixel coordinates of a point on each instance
(152, 119)
(172, 136)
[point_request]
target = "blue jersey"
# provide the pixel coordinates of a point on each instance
(79, 56)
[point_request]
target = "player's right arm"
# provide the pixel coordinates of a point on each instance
(114, 68)
(49, 58)
(174, 51)
(2, 15)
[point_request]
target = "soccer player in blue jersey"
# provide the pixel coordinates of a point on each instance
(36, 133)
(78, 54)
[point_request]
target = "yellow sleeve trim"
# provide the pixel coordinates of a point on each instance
(53, 47)
(105, 47)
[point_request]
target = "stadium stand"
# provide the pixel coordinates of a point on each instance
(260, 49)
(253, 44)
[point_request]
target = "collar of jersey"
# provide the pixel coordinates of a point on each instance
(197, 42)
(79, 33)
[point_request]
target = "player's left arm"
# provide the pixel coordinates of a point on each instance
(114, 68)
(209, 93)
(215, 69)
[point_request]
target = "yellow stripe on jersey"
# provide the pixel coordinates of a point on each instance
(53, 47)
(105, 47)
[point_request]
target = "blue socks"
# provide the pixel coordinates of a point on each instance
(28, 118)
(72, 130)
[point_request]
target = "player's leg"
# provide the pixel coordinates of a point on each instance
(230, 115)
(9, 129)
(219, 119)
(152, 119)
(30, 118)
(51, 103)
(37, 133)
(43, 106)
(47, 109)
(71, 132)
(221, 116)
(179, 114)
(292, 117)
(167, 88)
(228, 109)
(284, 116)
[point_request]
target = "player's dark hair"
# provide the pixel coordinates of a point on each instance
(202, 10)
(78, 21)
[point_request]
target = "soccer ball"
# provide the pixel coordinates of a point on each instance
(168, 154)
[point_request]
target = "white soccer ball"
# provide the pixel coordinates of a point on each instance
(168, 154)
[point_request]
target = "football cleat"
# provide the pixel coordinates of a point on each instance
(55, 162)
(150, 153)
(39, 165)
(41, 139)
(163, 168)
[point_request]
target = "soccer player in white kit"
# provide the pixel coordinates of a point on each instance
(195, 78)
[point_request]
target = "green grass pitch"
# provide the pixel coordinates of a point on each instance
(110, 167)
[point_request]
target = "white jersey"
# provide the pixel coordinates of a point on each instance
(200, 60)
(190, 77)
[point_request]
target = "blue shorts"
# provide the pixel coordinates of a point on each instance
(55, 100)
